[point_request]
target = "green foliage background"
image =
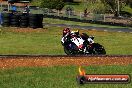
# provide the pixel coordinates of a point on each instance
(50, 4)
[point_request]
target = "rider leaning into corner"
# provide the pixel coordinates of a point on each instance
(67, 34)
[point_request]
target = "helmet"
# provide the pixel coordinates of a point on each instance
(75, 32)
(66, 30)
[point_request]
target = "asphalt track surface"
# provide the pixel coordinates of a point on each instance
(92, 28)
(12, 61)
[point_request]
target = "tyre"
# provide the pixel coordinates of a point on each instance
(33, 15)
(33, 26)
(14, 16)
(14, 20)
(5, 15)
(14, 24)
(98, 49)
(24, 21)
(35, 20)
(6, 21)
(23, 17)
(5, 24)
(23, 26)
(40, 26)
(6, 18)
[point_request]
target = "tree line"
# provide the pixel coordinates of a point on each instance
(59, 4)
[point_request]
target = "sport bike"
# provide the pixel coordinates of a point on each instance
(77, 45)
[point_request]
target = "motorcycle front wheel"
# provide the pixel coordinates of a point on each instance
(98, 49)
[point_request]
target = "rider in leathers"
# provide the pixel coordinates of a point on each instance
(67, 36)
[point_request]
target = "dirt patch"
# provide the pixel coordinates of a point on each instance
(10, 62)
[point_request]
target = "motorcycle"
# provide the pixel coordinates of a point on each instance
(78, 45)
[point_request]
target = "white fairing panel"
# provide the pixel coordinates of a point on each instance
(77, 41)
(90, 40)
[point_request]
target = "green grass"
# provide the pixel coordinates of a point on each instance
(47, 41)
(77, 7)
(93, 7)
(127, 9)
(58, 76)
(30, 43)
(81, 6)
(57, 21)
